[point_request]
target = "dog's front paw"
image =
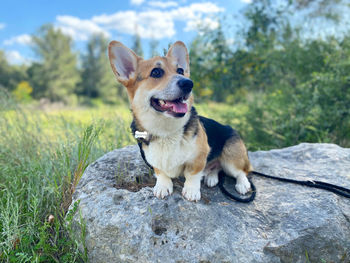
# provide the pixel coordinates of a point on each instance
(242, 185)
(191, 193)
(163, 188)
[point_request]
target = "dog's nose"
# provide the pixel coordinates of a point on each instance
(185, 85)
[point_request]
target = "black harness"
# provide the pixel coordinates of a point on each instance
(140, 141)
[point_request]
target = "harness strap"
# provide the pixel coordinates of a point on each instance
(139, 143)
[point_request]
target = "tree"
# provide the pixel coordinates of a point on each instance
(209, 68)
(5, 71)
(97, 77)
(153, 45)
(11, 75)
(55, 76)
(137, 45)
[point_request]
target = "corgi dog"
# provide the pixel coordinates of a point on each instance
(173, 139)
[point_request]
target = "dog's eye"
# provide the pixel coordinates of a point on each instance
(180, 71)
(157, 73)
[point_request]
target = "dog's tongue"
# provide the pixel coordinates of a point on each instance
(177, 106)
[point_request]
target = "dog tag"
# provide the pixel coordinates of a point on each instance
(139, 134)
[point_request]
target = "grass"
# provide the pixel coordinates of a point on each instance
(43, 154)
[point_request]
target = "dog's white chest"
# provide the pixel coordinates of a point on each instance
(169, 154)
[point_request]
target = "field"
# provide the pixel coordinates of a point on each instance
(43, 152)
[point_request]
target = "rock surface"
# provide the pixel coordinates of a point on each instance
(285, 223)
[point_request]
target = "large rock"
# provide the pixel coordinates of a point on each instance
(285, 223)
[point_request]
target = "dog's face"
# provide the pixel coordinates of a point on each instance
(159, 89)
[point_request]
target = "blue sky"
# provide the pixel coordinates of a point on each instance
(165, 21)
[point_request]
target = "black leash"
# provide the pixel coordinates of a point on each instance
(250, 198)
(342, 191)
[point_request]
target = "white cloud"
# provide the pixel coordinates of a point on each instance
(159, 24)
(148, 24)
(206, 23)
(193, 15)
(160, 4)
(2, 26)
(79, 29)
(14, 57)
(247, 1)
(137, 2)
(196, 9)
(23, 39)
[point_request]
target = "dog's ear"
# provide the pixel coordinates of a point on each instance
(179, 52)
(123, 61)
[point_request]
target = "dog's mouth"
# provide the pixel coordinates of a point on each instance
(176, 108)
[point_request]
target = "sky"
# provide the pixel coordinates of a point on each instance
(164, 21)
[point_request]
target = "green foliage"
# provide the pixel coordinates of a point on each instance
(23, 91)
(84, 149)
(38, 171)
(295, 87)
(313, 110)
(137, 46)
(299, 89)
(10, 75)
(153, 45)
(97, 79)
(209, 68)
(55, 77)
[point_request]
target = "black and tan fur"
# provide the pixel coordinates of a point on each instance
(178, 143)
